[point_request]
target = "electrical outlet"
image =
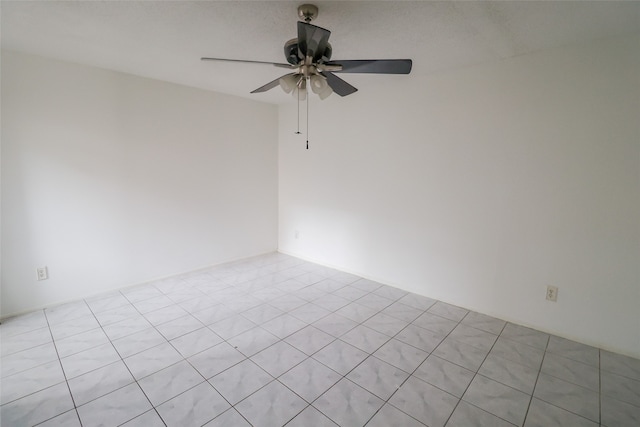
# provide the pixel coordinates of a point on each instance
(552, 293)
(42, 272)
(297, 234)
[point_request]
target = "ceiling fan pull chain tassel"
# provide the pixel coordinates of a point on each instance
(308, 120)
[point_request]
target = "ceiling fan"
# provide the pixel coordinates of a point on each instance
(309, 60)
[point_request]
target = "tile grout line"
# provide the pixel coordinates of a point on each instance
(535, 385)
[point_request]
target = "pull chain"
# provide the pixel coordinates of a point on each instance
(298, 131)
(308, 120)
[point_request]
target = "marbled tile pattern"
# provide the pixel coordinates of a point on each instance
(274, 340)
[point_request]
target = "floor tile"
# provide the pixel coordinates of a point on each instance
(621, 388)
(37, 407)
(467, 415)
(283, 326)
(401, 355)
(435, 323)
(73, 327)
(117, 314)
(140, 341)
(517, 352)
(232, 326)
(348, 404)
(66, 312)
(213, 314)
(619, 414)
(17, 325)
(421, 338)
(498, 399)
(356, 312)
(309, 313)
(473, 337)
(30, 381)
(329, 285)
(331, 302)
(178, 327)
(460, 353)
(68, 419)
(272, 405)
(194, 407)
(378, 377)
(389, 415)
(572, 371)
(216, 359)
(152, 360)
(424, 402)
(620, 365)
(340, 356)
(140, 293)
(161, 316)
(253, 341)
(448, 311)
(417, 301)
(84, 341)
(262, 313)
(509, 373)
(24, 341)
(287, 302)
(526, 336)
(403, 312)
(390, 292)
(309, 340)
(543, 414)
(27, 359)
(335, 324)
(310, 379)
(278, 358)
(126, 327)
(115, 408)
(350, 293)
(574, 350)
(366, 339)
(198, 304)
(148, 419)
(571, 397)
(386, 324)
(445, 375)
(170, 382)
(99, 382)
(366, 285)
(152, 304)
(240, 381)
(88, 360)
(229, 418)
(195, 342)
(311, 417)
(374, 301)
(484, 322)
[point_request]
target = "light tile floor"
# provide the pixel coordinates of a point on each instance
(273, 340)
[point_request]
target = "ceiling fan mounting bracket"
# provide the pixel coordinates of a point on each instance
(307, 12)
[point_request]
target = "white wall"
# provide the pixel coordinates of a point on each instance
(482, 186)
(111, 180)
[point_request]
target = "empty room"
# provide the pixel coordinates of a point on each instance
(339, 213)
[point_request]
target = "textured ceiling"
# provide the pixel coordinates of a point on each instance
(165, 39)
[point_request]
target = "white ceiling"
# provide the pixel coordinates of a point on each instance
(165, 39)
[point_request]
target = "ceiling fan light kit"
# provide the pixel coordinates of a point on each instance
(309, 61)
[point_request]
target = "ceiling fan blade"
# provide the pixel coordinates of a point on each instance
(271, 84)
(277, 64)
(338, 85)
(312, 41)
(378, 66)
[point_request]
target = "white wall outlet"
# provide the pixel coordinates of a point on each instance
(552, 293)
(296, 234)
(43, 273)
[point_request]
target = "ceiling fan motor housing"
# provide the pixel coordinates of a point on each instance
(291, 52)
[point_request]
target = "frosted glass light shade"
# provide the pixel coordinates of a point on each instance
(288, 83)
(320, 87)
